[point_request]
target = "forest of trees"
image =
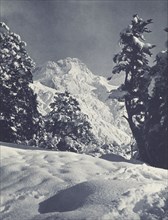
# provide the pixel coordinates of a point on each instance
(65, 127)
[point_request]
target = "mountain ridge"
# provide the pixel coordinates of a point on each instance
(91, 92)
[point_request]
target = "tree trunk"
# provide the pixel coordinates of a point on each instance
(137, 133)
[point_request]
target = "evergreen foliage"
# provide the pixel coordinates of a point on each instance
(145, 92)
(66, 123)
(133, 61)
(18, 108)
(156, 124)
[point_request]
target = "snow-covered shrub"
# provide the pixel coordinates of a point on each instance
(18, 108)
(47, 142)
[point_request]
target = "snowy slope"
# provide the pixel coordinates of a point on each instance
(45, 185)
(92, 93)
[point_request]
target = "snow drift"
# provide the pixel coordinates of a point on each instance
(45, 185)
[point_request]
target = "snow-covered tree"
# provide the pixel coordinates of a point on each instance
(156, 123)
(133, 62)
(68, 124)
(18, 106)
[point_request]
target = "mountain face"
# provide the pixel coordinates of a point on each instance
(92, 93)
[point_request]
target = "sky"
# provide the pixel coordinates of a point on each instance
(88, 30)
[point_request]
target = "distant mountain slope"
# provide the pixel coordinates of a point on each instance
(90, 90)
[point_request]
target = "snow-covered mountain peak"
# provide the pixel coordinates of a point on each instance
(90, 90)
(58, 75)
(74, 63)
(64, 66)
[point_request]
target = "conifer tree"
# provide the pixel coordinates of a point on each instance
(18, 105)
(68, 124)
(133, 61)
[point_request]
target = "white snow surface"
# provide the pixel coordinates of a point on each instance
(46, 185)
(92, 93)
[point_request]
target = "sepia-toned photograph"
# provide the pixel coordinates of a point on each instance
(84, 109)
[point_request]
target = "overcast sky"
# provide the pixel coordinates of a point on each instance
(88, 30)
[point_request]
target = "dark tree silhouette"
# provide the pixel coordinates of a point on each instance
(18, 108)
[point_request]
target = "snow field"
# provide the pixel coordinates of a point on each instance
(38, 184)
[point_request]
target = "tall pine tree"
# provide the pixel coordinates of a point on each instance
(133, 61)
(18, 105)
